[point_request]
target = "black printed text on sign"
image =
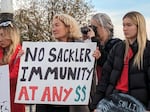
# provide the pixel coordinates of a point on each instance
(55, 73)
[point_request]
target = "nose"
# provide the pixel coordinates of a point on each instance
(53, 28)
(124, 28)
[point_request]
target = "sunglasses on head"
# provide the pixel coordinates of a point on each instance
(5, 24)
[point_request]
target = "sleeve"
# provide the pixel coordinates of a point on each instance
(14, 73)
(94, 39)
(104, 53)
(15, 69)
(103, 57)
(106, 49)
(103, 83)
(14, 66)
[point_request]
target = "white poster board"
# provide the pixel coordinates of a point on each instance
(55, 73)
(4, 89)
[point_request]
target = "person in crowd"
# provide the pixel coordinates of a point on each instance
(104, 36)
(10, 52)
(127, 68)
(65, 29)
(102, 32)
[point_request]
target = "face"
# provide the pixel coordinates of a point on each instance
(60, 31)
(100, 29)
(129, 29)
(5, 40)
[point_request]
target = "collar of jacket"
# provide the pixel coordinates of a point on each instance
(134, 46)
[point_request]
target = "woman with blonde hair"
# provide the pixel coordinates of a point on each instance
(127, 69)
(10, 52)
(64, 29)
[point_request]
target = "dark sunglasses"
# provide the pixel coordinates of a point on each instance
(5, 24)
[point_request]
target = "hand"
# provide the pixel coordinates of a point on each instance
(97, 53)
(94, 110)
(91, 33)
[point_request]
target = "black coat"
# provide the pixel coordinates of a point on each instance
(138, 80)
(104, 49)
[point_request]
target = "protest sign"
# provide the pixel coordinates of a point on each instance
(5, 89)
(55, 73)
(120, 102)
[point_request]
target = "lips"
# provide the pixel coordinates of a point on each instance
(2, 45)
(55, 33)
(126, 33)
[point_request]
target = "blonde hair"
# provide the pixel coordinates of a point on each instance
(69, 21)
(139, 21)
(14, 35)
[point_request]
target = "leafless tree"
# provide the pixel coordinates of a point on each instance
(34, 17)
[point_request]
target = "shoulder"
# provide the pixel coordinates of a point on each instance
(148, 46)
(147, 49)
(121, 44)
(148, 43)
(14, 55)
(117, 51)
(119, 47)
(18, 48)
(112, 42)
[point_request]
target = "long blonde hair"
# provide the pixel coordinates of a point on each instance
(139, 21)
(69, 21)
(14, 35)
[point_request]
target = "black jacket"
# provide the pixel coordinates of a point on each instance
(139, 80)
(104, 49)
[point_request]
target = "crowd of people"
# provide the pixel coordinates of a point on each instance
(121, 66)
